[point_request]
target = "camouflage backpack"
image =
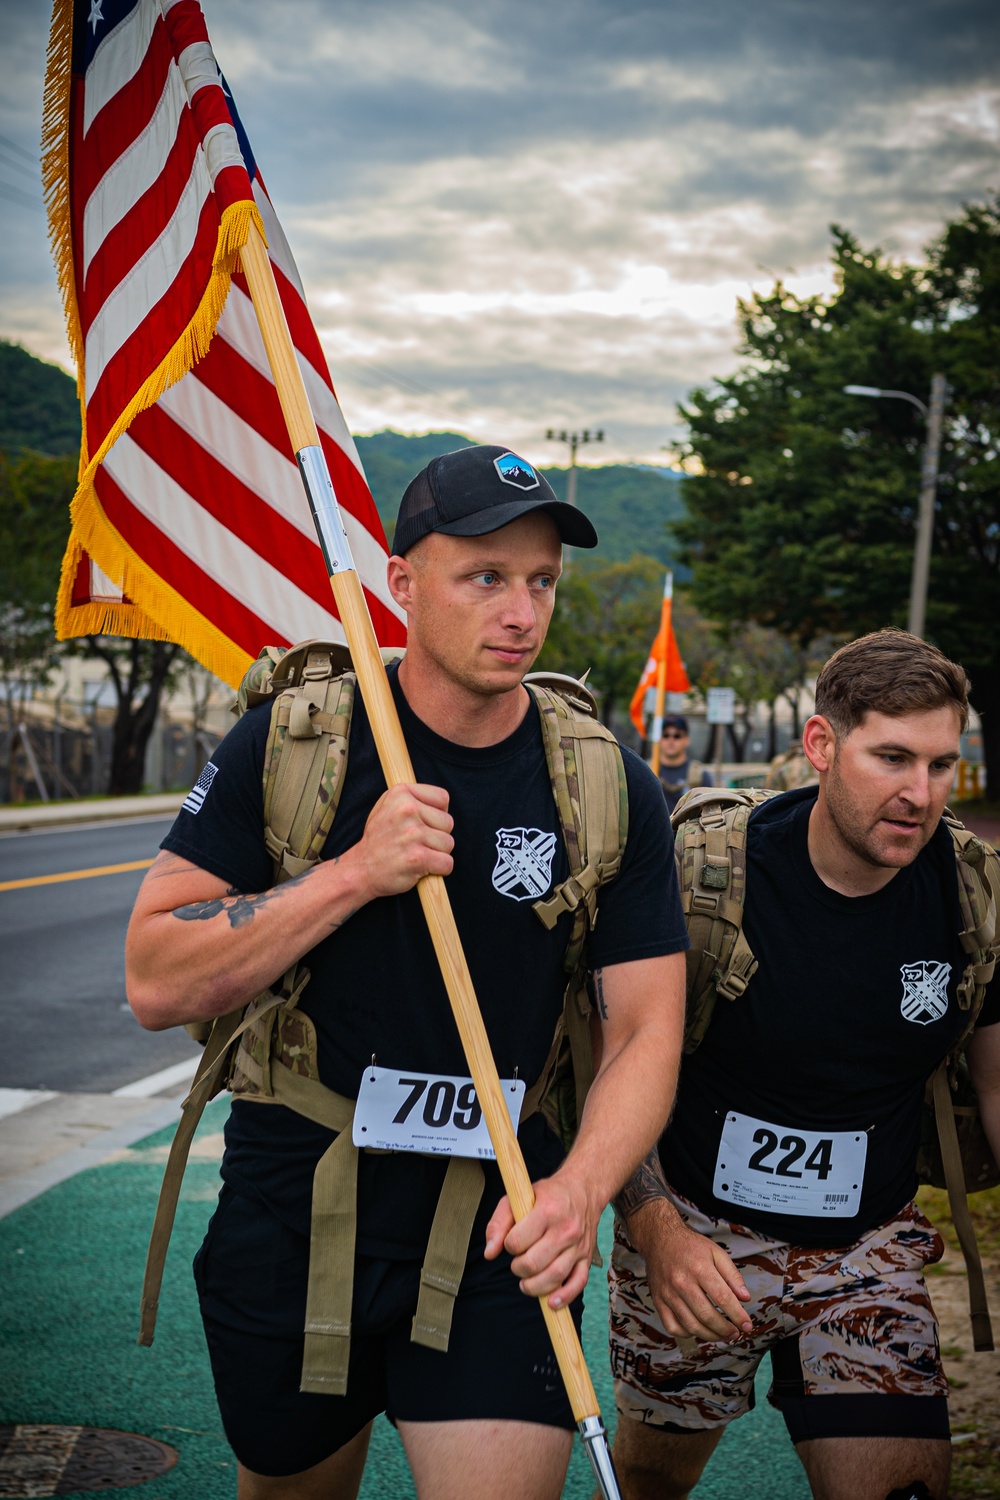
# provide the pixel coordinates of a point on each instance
(710, 829)
(267, 1050)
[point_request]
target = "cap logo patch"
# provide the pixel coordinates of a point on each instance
(515, 471)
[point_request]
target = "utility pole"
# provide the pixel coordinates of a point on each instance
(925, 519)
(575, 440)
(933, 416)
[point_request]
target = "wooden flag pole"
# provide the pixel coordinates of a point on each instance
(656, 732)
(395, 760)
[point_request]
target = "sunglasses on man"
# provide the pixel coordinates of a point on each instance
(673, 734)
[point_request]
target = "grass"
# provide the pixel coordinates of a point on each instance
(975, 1471)
(984, 1209)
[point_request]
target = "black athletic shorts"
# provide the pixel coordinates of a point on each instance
(251, 1276)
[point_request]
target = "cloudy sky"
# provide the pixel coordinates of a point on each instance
(511, 214)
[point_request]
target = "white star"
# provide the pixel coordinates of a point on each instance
(96, 14)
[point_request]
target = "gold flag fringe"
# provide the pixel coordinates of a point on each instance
(157, 611)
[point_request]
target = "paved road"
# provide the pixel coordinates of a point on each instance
(66, 1024)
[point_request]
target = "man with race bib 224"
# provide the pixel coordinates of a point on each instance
(777, 1213)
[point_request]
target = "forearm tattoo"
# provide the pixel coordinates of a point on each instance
(646, 1184)
(238, 907)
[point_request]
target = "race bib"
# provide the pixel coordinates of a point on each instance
(427, 1112)
(772, 1167)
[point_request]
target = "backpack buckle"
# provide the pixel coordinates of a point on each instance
(733, 984)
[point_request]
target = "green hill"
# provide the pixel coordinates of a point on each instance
(630, 505)
(38, 404)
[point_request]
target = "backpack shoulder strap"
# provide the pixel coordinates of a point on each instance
(710, 827)
(312, 698)
(304, 766)
(588, 784)
(978, 869)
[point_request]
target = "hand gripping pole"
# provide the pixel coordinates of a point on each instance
(395, 760)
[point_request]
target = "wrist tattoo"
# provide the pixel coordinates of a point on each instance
(646, 1184)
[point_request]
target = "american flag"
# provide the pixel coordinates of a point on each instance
(190, 522)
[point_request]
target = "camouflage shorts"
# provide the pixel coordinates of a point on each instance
(855, 1322)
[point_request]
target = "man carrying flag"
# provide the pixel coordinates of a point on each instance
(185, 527)
(482, 1411)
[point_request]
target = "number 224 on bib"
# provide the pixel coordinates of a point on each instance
(790, 1171)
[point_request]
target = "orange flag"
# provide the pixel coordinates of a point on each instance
(665, 646)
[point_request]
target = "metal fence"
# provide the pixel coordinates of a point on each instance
(43, 760)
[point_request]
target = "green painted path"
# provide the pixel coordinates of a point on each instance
(70, 1270)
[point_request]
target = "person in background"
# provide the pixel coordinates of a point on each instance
(678, 772)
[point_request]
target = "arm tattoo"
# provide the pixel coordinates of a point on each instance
(646, 1184)
(239, 908)
(602, 1004)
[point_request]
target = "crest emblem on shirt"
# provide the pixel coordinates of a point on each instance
(925, 991)
(523, 870)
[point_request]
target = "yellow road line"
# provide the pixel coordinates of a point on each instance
(133, 864)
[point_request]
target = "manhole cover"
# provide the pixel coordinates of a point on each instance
(38, 1461)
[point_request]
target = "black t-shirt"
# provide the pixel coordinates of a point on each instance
(676, 780)
(851, 1008)
(375, 985)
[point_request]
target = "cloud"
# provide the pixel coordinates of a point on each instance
(509, 215)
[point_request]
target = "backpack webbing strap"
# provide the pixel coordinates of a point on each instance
(954, 1173)
(711, 830)
(304, 765)
(591, 795)
(209, 1078)
(588, 783)
(332, 1238)
(447, 1252)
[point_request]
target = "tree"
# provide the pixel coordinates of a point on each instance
(607, 615)
(802, 506)
(139, 671)
(34, 497)
(605, 618)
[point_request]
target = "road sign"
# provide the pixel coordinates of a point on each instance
(720, 705)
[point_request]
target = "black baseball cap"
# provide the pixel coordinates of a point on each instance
(473, 491)
(675, 721)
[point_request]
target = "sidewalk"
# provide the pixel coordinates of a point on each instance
(17, 819)
(71, 1263)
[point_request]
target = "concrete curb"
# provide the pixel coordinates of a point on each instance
(15, 819)
(25, 1186)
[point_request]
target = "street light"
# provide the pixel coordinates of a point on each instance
(928, 489)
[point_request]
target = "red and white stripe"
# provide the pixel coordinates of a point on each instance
(203, 487)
